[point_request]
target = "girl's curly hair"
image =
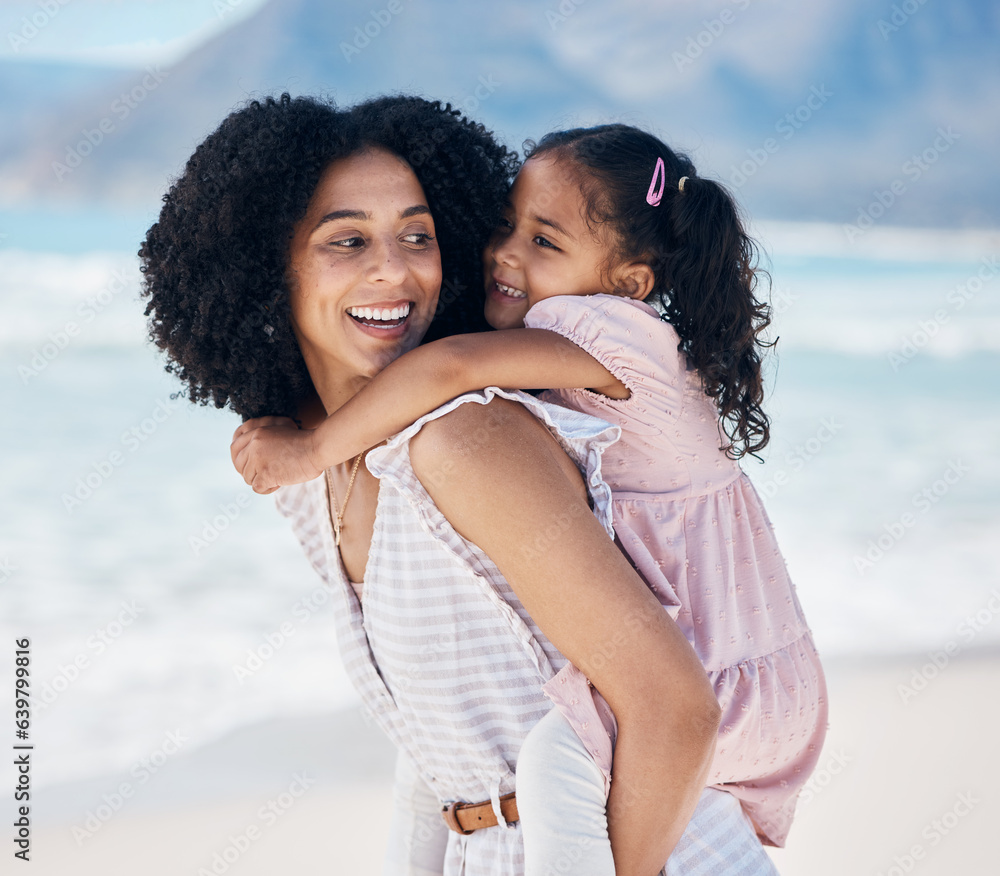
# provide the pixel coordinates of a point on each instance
(215, 263)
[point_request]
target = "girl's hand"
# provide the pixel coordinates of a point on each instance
(272, 452)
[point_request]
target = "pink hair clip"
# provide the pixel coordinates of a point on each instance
(653, 197)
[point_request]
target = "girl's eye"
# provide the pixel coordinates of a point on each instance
(505, 227)
(545, 244)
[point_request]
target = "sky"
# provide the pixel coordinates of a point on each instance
(114, 33)
(810, 112)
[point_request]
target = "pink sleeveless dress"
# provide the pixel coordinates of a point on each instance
(696, 530)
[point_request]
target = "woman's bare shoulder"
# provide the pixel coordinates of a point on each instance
(496, 436)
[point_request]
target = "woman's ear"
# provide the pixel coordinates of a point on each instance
(634, 280)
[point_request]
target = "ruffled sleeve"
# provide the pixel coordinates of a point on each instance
(627, 337)
(582, 437)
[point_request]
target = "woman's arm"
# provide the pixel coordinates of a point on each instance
(504, 484)
(272, 452)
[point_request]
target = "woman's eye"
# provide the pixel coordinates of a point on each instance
(418, 238)
(348, 243)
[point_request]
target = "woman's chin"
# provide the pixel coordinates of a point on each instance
(375, 352)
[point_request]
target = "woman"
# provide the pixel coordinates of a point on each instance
(301, 251)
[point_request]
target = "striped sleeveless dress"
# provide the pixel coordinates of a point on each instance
(444, 656)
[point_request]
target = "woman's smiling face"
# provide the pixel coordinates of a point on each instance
(364, 268)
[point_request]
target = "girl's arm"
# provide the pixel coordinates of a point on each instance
(270, 452)
(501, 480)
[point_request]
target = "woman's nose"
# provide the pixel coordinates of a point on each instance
(387, 264)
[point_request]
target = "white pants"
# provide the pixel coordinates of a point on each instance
(563, 814)
(561, 805)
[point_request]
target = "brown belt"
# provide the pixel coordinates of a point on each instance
(467, 817)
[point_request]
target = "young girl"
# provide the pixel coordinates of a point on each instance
(601, 223)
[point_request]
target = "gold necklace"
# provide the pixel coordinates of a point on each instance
(336, 512)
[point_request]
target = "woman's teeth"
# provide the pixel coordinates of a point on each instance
(380, 314)
(511, 292)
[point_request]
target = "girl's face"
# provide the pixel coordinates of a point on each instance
(544, 246)
(364, 268)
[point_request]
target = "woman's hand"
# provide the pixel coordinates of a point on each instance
(272, 452)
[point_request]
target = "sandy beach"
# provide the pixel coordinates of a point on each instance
(903, 787)
(296, 796)
(908, 783)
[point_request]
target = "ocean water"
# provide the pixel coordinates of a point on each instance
(161, 596)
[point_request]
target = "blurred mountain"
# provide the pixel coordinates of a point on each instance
(811, 111)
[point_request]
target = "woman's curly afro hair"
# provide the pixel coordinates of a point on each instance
(215, 263)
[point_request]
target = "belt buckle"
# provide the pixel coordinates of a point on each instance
(450, 816)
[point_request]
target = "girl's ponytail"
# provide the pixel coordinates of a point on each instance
(709, 297)
(705, 265)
